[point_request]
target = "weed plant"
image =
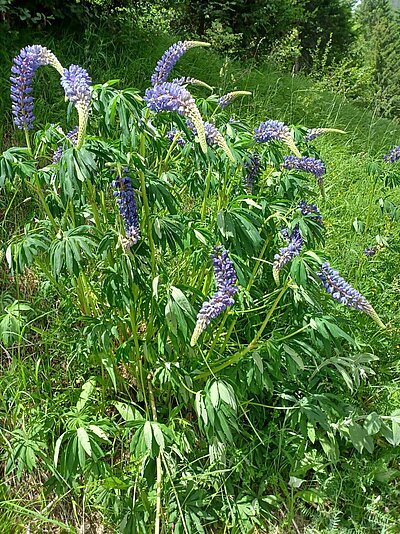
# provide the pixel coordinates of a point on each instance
(150, 387)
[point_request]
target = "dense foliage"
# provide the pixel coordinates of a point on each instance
(193, 387)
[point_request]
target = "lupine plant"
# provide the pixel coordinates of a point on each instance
(159, 228)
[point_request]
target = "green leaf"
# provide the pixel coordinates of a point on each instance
(148, 435)
(360, 438)
(84, 441)
(87, 390)
(372, 423)
(158, 435)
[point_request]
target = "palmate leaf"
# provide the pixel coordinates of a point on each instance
(22, 252)
(71, 249)
(16, 161)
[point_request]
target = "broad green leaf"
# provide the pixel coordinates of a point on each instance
(84, 441)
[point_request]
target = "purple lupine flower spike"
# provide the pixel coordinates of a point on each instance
(226, 100)
(173, 134)
(25, 64)
(311, 210)
(213, 137)
(169, 59)
(252, 167)
(287, 253)
(344, 293)
(76, 83)
(72, 136)
(168, 96)
(306, 164)
(127, 207)
(393, 156)
(313, 133)
(225, 278)
(275, 131)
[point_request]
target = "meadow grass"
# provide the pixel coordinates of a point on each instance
(352, 216)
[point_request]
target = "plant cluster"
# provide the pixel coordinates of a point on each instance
(211, 363)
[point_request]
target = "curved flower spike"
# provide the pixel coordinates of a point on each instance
(168, 96)
(169, 59)
(275, 131)
(213, 137)
(186, 80)
(76, 83)
(342, 291)
(227, 99)
(313, 133)
(286, 254)
(225, 278)
(25, 64)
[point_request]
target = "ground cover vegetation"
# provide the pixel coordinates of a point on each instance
(179, 351)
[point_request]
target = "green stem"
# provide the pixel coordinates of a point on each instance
(158, 464)
(207, 190)
(38, 190)
(28, 141)
(252, 345)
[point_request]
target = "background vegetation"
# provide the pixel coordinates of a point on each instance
(301, 70)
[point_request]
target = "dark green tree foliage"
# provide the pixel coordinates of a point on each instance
(325, 29)
(379, 38)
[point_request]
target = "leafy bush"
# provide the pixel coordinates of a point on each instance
(193, 388)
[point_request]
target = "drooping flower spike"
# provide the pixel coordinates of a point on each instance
(168, 96)
(306, 164)
(72, 136)
(213, 137)
(169, 59)
(225, 279)
(393, 156)
(275, 131)
(311, 210)
(313, 133)
(287, 253)
(344, 293)
(226, 100)
(76, 83)
(25, 64)
(125, 198)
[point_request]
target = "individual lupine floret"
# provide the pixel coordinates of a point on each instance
(313, 133)
(225, 278)
(226, 100)
(187, 80)
(76, 83)
(370, 251)
(344, 293)
(306, 164)
(311, 210)
(72, 136)
(287, 253)
(127, 207)
(173, 134)
(169, 59)
(213, 137)
(25, 64)
(393, 156)
(252, 167)
(275, 131)
(168, 96)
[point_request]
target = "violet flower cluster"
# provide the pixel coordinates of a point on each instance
(25, 64)
(311, 210)
(304, 163)
(313, 133)
(169, 59)
(286, 254)
(72, 136)
(125, 198)
(344, 293)
(252, 168)
(225, 278)
(393, 156)
(169, 96)
(271, 131)
(175, 134)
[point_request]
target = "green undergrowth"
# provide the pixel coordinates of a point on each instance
(360, 211)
